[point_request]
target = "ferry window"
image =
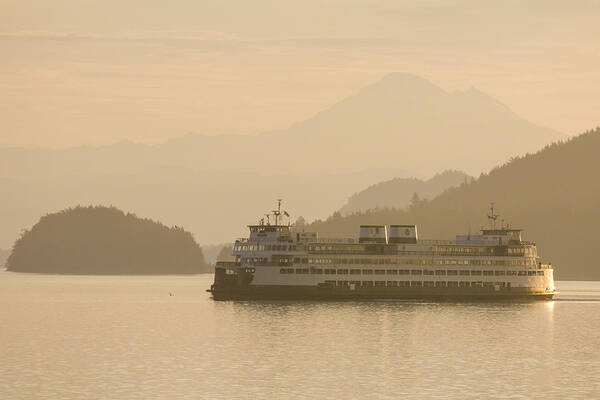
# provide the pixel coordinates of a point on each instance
(440, 284)
(475, 272)
(342, 272)
(380, 272)
(416, 283)
(452, 284)
(464, 284)
(452, 272)
(302, 270)
(367, 272)
(379, 283)
(367, 283)
(428, 283)
(488, 273)
(330, 271)
(511, 273)
(540, 273)
(316, 271)
(403, 283)
(499, 273)
(531, 273)
(416, 272)
(428, 272)
(440, 272)
(392, 272)
(404, 272)
(355, 272)
(522, 273)
(392, 283)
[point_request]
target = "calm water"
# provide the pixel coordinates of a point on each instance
(65, 337)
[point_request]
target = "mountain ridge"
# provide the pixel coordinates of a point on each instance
(398, 192)
(364, 138)
(553, 194)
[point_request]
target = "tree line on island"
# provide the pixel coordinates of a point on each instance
(105, 240)
(554, 195)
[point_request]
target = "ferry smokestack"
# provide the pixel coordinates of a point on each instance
(373, 234)
(403, 234)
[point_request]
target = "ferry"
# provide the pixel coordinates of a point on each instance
(278, 262)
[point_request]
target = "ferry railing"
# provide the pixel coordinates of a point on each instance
(226, 264)
(432, 241)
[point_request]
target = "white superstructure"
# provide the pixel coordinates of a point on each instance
(385, 261)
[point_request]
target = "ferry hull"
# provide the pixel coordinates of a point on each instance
(286, 292)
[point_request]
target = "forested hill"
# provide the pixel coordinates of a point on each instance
(553, 194)
(3, 256)
(105, 240)
(397, 192)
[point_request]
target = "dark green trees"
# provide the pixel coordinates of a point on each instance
(105, 240)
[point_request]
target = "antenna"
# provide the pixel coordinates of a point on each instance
(277, 213)
(492, 217)
(268, 221)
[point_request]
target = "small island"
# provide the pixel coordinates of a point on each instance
(100, 240)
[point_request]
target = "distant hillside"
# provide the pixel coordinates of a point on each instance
(554, 195)
(226, 254)
(212, 251)
(397, 192)
(402, 125)
(103, 240)
(3, 256)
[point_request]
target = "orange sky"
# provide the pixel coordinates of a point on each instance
(77, 72)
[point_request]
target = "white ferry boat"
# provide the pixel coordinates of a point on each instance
(387, 262)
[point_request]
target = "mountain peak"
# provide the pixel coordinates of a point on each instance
(404, 83)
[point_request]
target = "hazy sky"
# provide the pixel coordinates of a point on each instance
(78, 72)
